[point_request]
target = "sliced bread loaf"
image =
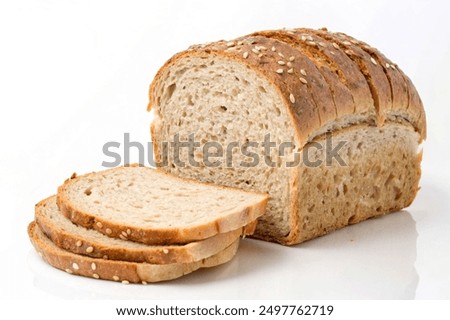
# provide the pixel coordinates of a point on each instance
(149, 206)
(77, 239)
(310, 90)
(124, 271)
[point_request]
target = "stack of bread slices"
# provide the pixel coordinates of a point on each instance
(139, 225)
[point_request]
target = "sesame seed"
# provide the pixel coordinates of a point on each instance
(321, 44)
(124, 233)
(240, 43)
(290, 32)
(89, 249)
(144, 283)
(260, 55)
(121, 236)
(303, 80)
(261, 48)
(116, 278)
(245, 55)
(79, 243)
(255, 51)
(125, 282)
(349, 52)
(75, 266)
(347, 43)
(274, 49)
(93, 266)
(292, 98)
(128, 231)
(289, 64)
(387, 65)
(166, 251)
(231, 44)
(69, 271)
(291, 58)
(332, 52)
(373, 61)
(309, 38)
(311, 43)
(354, 41)
(290, 71)
(393, 67)
(303, 38)
(366, 46)
(281, 63)
(279, 71)
(96, 276)
(335, 45)
(303, 72)
(99, 224)
(280, 54)
(108, 231)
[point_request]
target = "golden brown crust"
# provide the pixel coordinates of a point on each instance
(402, 89)
(122, 271)
(158, 236)
(347, 70)
(310, 71)
(341, 94)
(376, 78)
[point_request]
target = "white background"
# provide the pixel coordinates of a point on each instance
(75, 74)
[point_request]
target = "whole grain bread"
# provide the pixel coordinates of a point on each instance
(123, 271)
(77, 239)
(152, 207)
(307, 88)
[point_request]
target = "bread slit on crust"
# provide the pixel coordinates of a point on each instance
(240, 91)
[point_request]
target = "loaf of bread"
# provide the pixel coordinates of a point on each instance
(351, 123)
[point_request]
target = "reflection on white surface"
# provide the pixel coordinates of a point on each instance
(371, 260)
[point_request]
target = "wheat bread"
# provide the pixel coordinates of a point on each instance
(77, 239)
(123, 271)
(281, 83)
(152, 207)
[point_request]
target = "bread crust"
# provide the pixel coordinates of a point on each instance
(122, 271)
(160, 236)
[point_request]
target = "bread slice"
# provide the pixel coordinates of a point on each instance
(278, 84)
(124, 271)
(68, 236)
(149, 206)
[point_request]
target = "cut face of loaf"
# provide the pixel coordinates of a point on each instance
(152, 207)
(296, 86)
